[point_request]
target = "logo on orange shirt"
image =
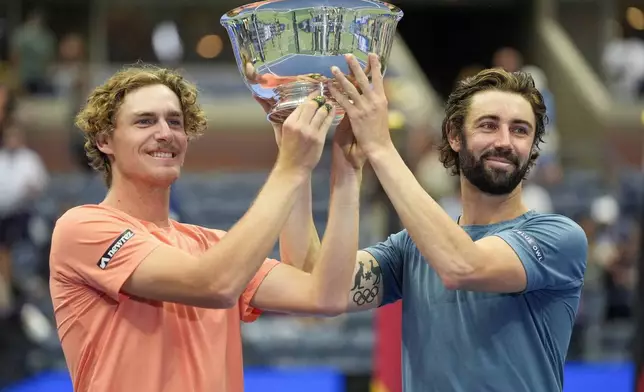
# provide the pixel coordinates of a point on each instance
(116, 245)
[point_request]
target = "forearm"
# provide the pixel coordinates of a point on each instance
(232, 263)
(443, 243)
(299, 241)
(333, 271)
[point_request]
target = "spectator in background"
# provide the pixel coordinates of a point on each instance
(71, 82)
(547, 169)
(621, 271)
(468, 71)
(23, 178)
(33, 51)
(508, 59)
(623, 64)
(7, 107)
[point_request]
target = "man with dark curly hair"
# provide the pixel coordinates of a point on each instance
(144, 303)
(489, 301)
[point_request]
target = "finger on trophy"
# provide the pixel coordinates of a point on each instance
(367, 70)
(357, 72)
(311, 106)
(345, 84)
(321, 115)
(377, 78)
(315, 93)
(293, 117)
(328, 120)
(341, 98)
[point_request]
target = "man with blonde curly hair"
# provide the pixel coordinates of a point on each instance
(144, 303)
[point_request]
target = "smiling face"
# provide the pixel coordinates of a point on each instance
(495, 147)
(149, 141)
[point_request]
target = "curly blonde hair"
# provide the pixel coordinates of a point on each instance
(98, 117)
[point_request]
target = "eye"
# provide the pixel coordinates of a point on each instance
(521, 130)
(175, 123)
(488, 125)
(145, 121)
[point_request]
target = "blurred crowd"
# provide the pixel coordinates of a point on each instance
(43, 65)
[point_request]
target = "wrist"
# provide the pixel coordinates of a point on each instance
(346, 175)
(381, 154)
(296, 175)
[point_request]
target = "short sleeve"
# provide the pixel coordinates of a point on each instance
(553, 250)
(94, 246)
(390, 256)
(247, 313)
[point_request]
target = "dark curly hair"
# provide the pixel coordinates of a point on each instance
(98, 117)
(460, 99)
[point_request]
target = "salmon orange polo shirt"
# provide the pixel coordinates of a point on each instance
(116, 343)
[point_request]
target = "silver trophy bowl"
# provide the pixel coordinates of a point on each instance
(285, 48)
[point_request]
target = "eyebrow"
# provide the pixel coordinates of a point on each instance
(497, 118)
(171, 113)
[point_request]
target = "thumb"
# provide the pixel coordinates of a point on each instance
(277, 129)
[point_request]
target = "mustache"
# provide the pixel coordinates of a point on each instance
(503, 153)
(166, 147)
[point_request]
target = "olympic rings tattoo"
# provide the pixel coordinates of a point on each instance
(365, 296)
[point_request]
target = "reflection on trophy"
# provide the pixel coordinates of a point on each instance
(285, 48)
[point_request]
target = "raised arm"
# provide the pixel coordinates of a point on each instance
(299, 241)
(323, 291)
(140, 266)
(494, 263)
(218, 278)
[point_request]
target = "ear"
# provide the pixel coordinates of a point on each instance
(534, 153)
(454, 137)
(104, 144)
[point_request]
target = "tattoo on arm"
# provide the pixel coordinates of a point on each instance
(365, 294)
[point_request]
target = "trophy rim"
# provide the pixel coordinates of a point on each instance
(241, 11)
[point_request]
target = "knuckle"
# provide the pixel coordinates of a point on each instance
(288, 126)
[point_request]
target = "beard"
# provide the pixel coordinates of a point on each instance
(492, 180)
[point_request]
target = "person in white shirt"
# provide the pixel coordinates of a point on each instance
(23, 178)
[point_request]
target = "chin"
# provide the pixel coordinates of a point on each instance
(163, 178)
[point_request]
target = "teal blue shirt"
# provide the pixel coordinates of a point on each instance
(466, 341)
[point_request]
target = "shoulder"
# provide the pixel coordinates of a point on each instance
(556, 225)
(394, 248)
(549, 233)
(90, 214)
(211, 235)
(91, 224)
(204, 236)
(28, 153)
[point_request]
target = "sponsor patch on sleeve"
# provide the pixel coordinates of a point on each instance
(116, 245)
(532, 244)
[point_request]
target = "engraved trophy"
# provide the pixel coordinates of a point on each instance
(285, 48)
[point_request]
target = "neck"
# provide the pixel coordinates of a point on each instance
(482, 209)
(142, 201)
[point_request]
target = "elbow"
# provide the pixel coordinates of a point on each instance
(222, 297)
(451, 282)
(457, 279)
(223, 301)
(458, 272)
(331, 310)
(327, 306)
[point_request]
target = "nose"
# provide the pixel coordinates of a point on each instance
(503, 137)
(164, 133)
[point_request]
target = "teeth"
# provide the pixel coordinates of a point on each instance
(161, 154)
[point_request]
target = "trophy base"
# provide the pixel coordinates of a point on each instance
(291, 95)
